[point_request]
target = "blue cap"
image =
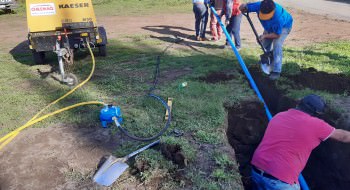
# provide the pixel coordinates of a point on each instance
(312, 104)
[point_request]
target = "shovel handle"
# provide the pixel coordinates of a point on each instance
(254, 30)
(140, 150)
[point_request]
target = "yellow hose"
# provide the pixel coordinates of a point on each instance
(8, 140)
(10, 136)
(14, 133)
(75, 88)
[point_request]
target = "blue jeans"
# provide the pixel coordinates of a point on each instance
(201, 15)
(263, 183)
(276, 45)
(234, 28)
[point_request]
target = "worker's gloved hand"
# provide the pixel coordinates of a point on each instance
(243, 7)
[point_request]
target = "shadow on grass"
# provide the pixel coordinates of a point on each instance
(22, 54)
(116, 76)
(331, 56)
(169, 30)
(320, 58)
(127, 74)
(7, 12)
(188, 40)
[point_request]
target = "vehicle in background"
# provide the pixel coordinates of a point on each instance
(8, 5)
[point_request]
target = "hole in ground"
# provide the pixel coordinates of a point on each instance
(319, 80)
(328, 165)
(217, 77)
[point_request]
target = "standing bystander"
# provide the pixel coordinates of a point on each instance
(200, 9)
(215, 28)
(234, 26)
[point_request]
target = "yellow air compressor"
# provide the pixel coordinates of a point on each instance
(63, 26)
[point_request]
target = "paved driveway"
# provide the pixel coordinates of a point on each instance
(338, 9)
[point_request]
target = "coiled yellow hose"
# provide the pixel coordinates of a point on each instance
(10, 136)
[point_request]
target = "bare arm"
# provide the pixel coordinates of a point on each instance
(269, 36)
(341, 135)
(243, 7)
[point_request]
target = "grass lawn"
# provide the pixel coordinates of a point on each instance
(125, 76)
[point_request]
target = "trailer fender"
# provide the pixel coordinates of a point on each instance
(103, 36)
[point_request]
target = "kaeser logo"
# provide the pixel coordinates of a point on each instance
(73, 5)
(42, 9)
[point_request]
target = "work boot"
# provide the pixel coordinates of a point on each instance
(226, 46)
(274, 75)
(204, 39)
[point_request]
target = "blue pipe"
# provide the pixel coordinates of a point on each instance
(302, 181)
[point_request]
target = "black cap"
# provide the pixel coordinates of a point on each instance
(312, 104)
(267, 6)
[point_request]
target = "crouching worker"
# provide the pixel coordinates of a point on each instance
(287, 144)
(277, 24)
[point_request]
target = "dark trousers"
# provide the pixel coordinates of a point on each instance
(201, 15)
(234, 28)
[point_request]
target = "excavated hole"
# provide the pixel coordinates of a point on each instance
(217, 77)
(318, 80)
(174, 153)
(328, 165)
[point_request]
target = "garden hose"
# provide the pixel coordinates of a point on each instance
(74, 89)
(10, 136)
(153, 87)
(167, 124)
(14, 133)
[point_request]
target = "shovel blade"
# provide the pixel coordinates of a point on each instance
(266, 68)
(109, 172)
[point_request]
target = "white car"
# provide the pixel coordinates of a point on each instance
(7, 5)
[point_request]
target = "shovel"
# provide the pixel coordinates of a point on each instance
(266, 59)
(113, 167)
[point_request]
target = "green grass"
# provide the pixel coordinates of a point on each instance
(125, 76)
(131, 7)
(332, 57)
(140, 7)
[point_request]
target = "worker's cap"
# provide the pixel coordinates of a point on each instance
(312, 104)
(267, 9)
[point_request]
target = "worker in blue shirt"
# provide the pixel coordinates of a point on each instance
(200, 9)
(277, 24)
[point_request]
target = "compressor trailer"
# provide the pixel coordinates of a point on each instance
(63, 26)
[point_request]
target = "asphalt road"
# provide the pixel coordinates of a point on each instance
(337, 9)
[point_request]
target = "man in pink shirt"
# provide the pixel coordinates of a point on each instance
(287, 144)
